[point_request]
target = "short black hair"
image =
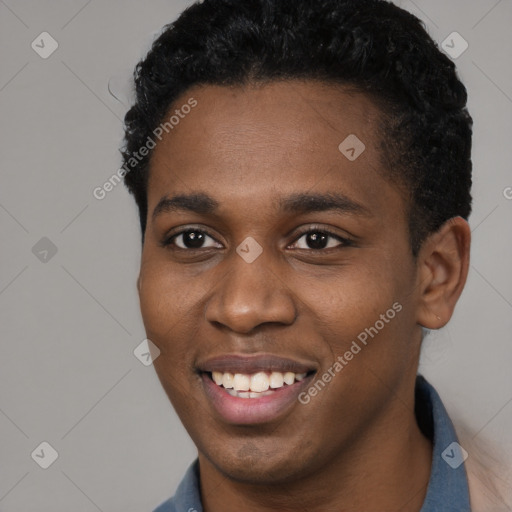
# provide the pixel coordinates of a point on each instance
(371, 46)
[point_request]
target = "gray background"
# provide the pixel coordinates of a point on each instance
(69, 324)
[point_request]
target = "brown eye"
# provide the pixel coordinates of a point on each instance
(190, 239)
(317, 240)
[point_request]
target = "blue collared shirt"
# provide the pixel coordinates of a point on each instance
(447, 488)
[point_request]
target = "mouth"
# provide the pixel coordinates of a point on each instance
(257, 385)
(253, 390)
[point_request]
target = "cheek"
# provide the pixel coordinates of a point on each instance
(157, 303)
(169, 304)
(362, 314)
(362, 322)
(351, 299)
(167, 307)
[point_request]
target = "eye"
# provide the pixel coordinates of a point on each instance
(317, 240)
(190, 239)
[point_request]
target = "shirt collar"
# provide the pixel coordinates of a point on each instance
(447, 487)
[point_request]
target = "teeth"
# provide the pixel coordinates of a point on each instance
(241, 382)
(255, 385)
(276, 380)
(259, 382)
(289, 378)
(227, 380)
(248, 394)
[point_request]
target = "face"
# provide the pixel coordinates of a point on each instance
(269, 252)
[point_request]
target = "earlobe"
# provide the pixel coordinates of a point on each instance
(443, 264)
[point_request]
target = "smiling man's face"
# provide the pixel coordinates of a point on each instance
(263, 162)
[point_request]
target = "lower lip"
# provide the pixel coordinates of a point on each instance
(247, 411)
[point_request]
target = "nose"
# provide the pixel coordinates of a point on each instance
(249, 295)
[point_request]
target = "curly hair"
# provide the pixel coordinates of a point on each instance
(371, 46)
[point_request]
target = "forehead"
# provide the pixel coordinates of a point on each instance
(273, 113)
(265, 139)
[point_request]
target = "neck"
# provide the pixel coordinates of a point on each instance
(386, 468)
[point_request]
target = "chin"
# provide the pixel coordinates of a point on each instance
(250, 464)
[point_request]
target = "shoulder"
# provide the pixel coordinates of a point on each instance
(167, 506)
(489, 476)
(187, 496)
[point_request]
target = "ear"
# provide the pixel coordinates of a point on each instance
(443, 263)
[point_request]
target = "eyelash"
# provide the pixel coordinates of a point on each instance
(168, 241)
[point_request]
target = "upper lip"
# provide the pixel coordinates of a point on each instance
(243, 363)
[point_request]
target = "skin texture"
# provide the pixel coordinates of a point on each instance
(356, 445)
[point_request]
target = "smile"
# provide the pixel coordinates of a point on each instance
(258, 385)
(254, 389)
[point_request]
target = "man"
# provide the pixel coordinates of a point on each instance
(303, 171)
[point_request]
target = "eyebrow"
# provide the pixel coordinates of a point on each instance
(308, 203)
(299, 203)
(198, 203)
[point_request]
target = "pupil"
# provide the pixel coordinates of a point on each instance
(193, 239)
(317, 240)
